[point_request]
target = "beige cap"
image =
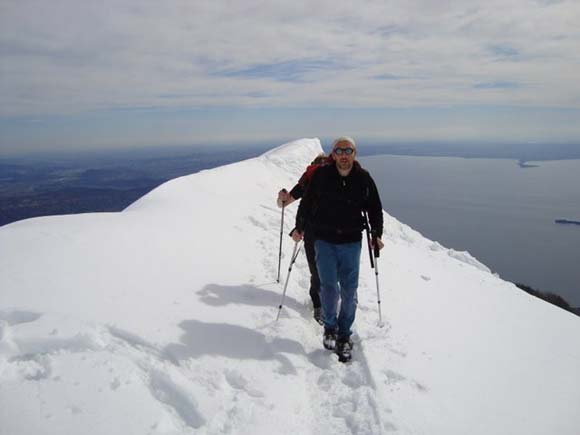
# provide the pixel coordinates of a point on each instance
(344, 139)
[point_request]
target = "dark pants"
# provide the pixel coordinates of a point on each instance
(314, 279)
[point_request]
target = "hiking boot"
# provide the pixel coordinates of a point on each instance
(344, 349)
(329, 339)
(318, 315)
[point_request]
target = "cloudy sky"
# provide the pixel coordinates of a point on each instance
(80, 74)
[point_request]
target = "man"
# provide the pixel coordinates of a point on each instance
(332, 207)
(286, 198)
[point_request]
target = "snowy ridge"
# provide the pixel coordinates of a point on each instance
(160, 320)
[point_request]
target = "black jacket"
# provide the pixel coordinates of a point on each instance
(332, 205)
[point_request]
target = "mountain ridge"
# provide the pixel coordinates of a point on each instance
(160, 319)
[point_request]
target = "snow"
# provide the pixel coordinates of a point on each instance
(161, 320)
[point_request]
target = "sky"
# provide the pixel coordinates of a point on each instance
(108, 74)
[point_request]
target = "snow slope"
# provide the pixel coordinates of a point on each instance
(160, 320)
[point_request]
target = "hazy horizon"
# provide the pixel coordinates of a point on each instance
(523, 152)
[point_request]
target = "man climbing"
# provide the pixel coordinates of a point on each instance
(284, 199)
(332, 208)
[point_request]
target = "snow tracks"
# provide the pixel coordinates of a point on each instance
(339, 398)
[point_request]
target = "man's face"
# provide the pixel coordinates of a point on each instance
(343, 160)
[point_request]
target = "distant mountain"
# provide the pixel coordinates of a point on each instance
(521, 152)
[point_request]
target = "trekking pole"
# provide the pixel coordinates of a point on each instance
(369, 241)
(373, 255)
(294, 255)
(376, 255)
(281, 231)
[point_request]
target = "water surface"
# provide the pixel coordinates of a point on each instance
(501, 213)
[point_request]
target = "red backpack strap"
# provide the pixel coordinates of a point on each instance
(307, 176)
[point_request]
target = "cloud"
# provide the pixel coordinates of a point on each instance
(388, 76)
(66, 56)
(504, 51)
(496, 85)
(288, 71)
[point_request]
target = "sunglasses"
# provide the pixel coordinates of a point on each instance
(341, 151)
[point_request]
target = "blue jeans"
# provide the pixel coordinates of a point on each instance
(338, 266)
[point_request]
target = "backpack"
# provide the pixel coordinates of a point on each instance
(319, 161)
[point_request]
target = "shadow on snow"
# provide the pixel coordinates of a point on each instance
(221, 295)
(231, 341)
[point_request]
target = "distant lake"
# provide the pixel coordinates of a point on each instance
(503, 214)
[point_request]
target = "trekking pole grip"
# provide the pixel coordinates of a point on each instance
(376, 249)
(368, 233)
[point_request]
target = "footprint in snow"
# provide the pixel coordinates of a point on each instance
(115, 384)
(239, 382)
(257, 223)
(326, 380)
(393, 377)
(353, 379)
(165, 390)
